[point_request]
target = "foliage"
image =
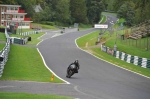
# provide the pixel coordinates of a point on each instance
(44, 26)
(46, 13)
(94, 9)
(84, 11)
(140, 9)
(126, 11)
(62, 11)
(7, 2)
(48, 23)
(27, 6)
(78, 11)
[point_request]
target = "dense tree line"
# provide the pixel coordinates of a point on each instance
(62, 11)
(84, 11)
(133, 11)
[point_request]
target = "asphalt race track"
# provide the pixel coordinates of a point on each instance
(96, 79)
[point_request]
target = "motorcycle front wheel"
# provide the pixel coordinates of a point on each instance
(70, 73)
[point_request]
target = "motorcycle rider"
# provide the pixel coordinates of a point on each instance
(76, 63)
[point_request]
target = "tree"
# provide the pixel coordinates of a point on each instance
(118, 3)
(140, 7)
(78, 11)
(94, 9)
(127, 12)
(142, 10)
(46, 13)
(8, 2)
(62, 12)
(27, 6)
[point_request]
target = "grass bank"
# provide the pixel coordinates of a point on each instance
(25, 63)
(43, 26)
(30, 96)
(103, 19)
(2, 40)
(84, 26)
(95, 50)
(2, 46)
(2, 36)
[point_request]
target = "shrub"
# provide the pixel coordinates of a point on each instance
(48, 23)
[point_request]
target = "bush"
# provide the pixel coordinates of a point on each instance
(48, 23)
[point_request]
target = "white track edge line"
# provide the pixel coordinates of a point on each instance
(47, 66)
(50, 69)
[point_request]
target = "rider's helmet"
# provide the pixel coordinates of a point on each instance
(76, 61)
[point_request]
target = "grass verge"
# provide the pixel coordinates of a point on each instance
(103, 19)
(2, 40)
(91, 38)
(2, 46)
(29, 96)
(44, 26)
(25, 63)
(2, 36)
(84, 27)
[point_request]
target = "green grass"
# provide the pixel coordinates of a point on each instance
(2, 26)
(112, 13)
(90, 39)
(118, 24)
(34, 40)
(25, 63)
(97, 51)
(130, 49)
(121, 45)
(129, 66)
(104, 19)
(44, 26)
(84, 27)
(2, 37)
(29, 96)
(2, 46)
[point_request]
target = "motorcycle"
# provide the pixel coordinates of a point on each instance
(71, 71)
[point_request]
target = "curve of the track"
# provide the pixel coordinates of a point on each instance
(96, 78)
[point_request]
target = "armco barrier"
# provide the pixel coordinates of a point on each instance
(21, 41)
(4, 53)
(143, 62)
(17, 41)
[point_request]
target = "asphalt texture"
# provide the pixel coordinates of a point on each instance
(96, 79)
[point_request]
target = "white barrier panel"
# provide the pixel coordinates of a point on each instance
(101, 26)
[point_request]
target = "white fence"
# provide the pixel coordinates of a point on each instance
(4, 53)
